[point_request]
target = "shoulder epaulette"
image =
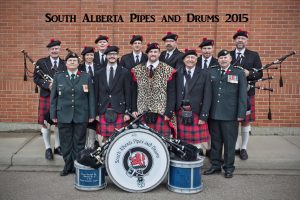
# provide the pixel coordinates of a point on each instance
(214, 66)
(239, 67)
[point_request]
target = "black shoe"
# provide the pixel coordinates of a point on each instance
(207, 154)
(237, 152)
(63, 173)
(58, 151)
(49, 154)
(211, 171)
(201, 152)
(228, 174)
(244, 154)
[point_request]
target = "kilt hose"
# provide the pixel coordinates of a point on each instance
(106, 129)
(192, 134)
(250, 114)
(44, 108)
(161, 126)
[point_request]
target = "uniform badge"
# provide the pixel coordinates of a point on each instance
(59, 93)
(85, 88)
(232, 79)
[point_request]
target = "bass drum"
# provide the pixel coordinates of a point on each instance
(137, 160)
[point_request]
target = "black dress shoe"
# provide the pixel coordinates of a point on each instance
(63, 173)
(49, 154)
(58, 151)
(211, 171)
(228, 174)
(237, 152)
(244, 154)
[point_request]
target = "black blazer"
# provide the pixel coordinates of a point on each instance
(250, 61)
(128, 61)
(45, 65)
(119, 95)
(199, 92)
(213, 62)
(175, 60)
(82, 67)
(97, 60)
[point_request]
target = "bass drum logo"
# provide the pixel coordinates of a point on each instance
(137, 163)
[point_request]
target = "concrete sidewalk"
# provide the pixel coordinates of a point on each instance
(267, 154)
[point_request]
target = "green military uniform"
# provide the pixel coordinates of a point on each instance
(72, 104)
(229, 102)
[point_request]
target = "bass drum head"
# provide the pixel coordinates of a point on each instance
(137, 160)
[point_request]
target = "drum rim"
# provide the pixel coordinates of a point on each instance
(158, 182)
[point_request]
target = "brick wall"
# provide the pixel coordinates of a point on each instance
(273, 25)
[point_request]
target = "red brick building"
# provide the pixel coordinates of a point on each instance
(273, 26)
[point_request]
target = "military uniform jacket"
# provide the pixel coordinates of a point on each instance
(250, 61)
(198, 93)
(175, 60)
(119, 96)
(229, 94)
(45, 65)
(72, 101)
(128, 60)
(97, 60)
(213, 62)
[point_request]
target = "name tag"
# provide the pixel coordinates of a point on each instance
(85, 88)
(232, 79)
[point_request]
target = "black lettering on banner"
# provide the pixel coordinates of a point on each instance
(60, 18)
(171, 18)
(141, 18)
(237, 18)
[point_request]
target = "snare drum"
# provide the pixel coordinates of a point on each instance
(137, 160)
(185, 176)
(89, 179)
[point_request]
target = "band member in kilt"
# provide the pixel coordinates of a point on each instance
(193, 101)
(113, 98)
(249, 61)
(91, 68)
(228, 107)
(206, 59)
(171, 56)
(136, 56)
(154, 89)
(49, 66)
(101, 44)
(72, 107)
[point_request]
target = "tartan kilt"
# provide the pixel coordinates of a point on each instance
(107, 129)
(193, 134)
(161, 126)
(44, 109)
(250, 114)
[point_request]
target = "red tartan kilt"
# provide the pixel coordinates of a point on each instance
(107, 129)
(44, 108)
(161, 126)
(250, 114)
(194, 134)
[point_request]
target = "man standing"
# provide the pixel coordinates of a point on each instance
(172, 56)
(229, 104)
(101, 43)
(48, 66)
(193, 101)
(249, 61)
(154, 89)
(113, 94)
(136, 56)
(91, 68)
(206, 59)
(72, 107)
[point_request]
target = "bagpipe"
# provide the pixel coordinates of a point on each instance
(96, 157)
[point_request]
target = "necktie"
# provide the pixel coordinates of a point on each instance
(91, 71)
(238, 58)
(187, 76)
(151, 73)
(72, 78)
(102, 59)
(167, 56)
(55, 65)
(205, 64)
(222, 72)
(137, 60)
(111, 77)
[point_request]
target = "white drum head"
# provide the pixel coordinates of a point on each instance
(137, 160)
